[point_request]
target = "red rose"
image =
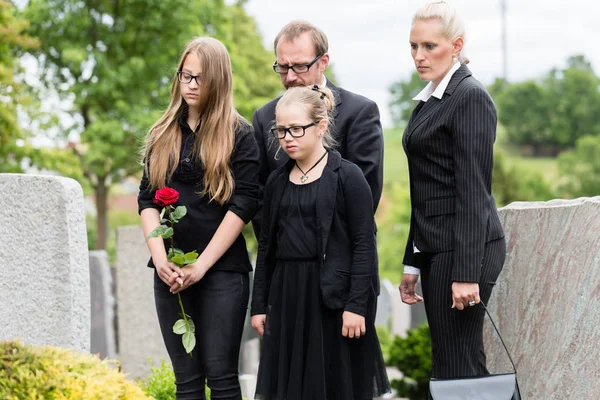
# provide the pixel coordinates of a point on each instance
(166, 196)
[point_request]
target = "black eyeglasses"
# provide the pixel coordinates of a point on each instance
(184, 77)
(298, 68)
(294, 131)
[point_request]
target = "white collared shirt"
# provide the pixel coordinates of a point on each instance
(423, 96)
(438, 91)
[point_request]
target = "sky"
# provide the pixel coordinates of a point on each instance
(368, 40)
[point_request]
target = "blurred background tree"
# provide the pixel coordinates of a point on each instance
(13, 148)
(113, 68)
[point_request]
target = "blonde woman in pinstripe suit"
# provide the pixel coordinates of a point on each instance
(456, 241)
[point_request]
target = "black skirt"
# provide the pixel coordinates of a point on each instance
(304, 355)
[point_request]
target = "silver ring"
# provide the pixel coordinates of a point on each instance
(472, 303)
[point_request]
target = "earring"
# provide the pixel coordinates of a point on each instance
(455, 59)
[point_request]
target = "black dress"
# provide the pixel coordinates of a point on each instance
(304, 355)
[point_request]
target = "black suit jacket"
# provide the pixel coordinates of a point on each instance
(357, 129)
(345, 231)
(449, 145)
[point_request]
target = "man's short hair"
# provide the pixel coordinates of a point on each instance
(296, 28)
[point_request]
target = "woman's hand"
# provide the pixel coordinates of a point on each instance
(193, 273)
(169, 273)
(353, 325)
(258, 323)
(465, 294)
(407, 289)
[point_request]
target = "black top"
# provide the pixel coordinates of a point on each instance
(297, 235)
(345, 231)
(196, 229)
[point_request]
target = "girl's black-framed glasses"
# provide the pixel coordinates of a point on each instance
(185, 77)
(294, 131)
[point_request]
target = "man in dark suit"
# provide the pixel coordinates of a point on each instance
(301, 59)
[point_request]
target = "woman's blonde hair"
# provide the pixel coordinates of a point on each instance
(214, 142)
(454, 26)
(318, 102)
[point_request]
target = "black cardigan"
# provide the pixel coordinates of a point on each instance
(345, 233)
(196, 229)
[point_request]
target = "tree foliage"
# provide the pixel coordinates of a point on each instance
(550, 115)
(401, 103)
(112, 61)
(580, 169)
(12, 91)
(514, 183)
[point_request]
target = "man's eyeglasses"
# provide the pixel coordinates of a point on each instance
(184, 77)
(294, 131)
(298, 68)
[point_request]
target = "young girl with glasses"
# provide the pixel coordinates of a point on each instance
(313, 298)
(205, 150)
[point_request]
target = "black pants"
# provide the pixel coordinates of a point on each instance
(217, 305)
(457, 336)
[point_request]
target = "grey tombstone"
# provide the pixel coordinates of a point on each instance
(102, 305)
(547, 298)
(400, 313)
(139, 334)
(44, 266)
(384, 306)
(418, 317)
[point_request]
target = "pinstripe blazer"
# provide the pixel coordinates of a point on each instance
(449, 146)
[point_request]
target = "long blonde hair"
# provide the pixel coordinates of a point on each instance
(214, 142)
(454, 26)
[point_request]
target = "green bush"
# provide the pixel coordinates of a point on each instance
(50, 373)
(386, 340)
(160, 384)
(412, 356)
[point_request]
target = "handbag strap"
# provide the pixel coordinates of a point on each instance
(500, 336)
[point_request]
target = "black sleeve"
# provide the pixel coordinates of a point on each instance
(261, 284)
(263, 169)
(361, 224)
(244, 163)
(145, 195)
(364, 147)
(409, 251)
(474, 130)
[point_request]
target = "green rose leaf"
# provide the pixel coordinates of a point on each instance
(174, 252)
(158, 231)
(179, 327)
(190, 257)
(192, 326)
(189, 341)
(167, 233)
(179, 212)
(178, 260)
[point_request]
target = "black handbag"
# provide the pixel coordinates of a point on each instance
(486, 387)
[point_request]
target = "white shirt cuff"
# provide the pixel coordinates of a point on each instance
(409, 269)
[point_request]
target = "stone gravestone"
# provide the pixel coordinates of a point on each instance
(391, 311)
(384, 306)
(139, 334)
(418, 317)
(547, 299)
(103, 306)
(44, 267)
